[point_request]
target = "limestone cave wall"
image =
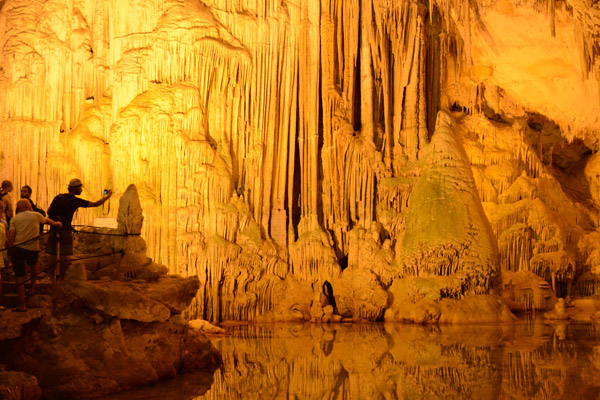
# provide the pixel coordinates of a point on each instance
(277, 145)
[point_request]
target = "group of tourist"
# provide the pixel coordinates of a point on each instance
(21, 226)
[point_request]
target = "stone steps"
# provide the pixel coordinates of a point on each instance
(41, 287)
(9, 300)
(8, 296)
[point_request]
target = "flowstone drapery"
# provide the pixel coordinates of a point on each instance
(278, 145)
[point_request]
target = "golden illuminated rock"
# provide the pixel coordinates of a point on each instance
(278, 145)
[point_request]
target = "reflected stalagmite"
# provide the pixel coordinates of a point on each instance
(361, 361)
(276, 145)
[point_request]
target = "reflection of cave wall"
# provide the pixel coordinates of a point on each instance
(308, 123)
(532, 361)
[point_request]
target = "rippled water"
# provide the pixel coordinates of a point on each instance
(393, 361)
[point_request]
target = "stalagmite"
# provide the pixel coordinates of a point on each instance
(435, 230)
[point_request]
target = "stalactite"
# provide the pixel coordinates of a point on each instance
(557, 265)
(312, 258)
(552, 12)
(515, 246)
(586, 286)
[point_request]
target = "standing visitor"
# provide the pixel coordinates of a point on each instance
(6, 199)
(3, 215)
(23, 234)
(62, 209)
(26, 194)
(2, 256)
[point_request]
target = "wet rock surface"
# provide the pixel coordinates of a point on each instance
(18, 386)
(98, 339)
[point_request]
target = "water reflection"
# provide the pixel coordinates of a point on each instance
(183, 387)
(389, 361)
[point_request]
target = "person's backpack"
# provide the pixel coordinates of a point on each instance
(39, 210)
(60, 202)
(36, 208)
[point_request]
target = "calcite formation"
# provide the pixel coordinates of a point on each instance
(279, 145)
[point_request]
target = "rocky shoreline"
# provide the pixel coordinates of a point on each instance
(113, 324)
(95, 338)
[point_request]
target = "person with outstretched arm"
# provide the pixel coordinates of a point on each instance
(62, 208)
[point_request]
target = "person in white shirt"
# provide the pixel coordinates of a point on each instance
(23, 245)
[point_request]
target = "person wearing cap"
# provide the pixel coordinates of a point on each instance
(23, 235)
(62, 208)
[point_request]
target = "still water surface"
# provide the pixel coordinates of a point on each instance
(529, 360)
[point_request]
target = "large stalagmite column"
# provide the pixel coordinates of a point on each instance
(447, 231)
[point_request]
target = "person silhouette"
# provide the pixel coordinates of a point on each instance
(62, 208)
